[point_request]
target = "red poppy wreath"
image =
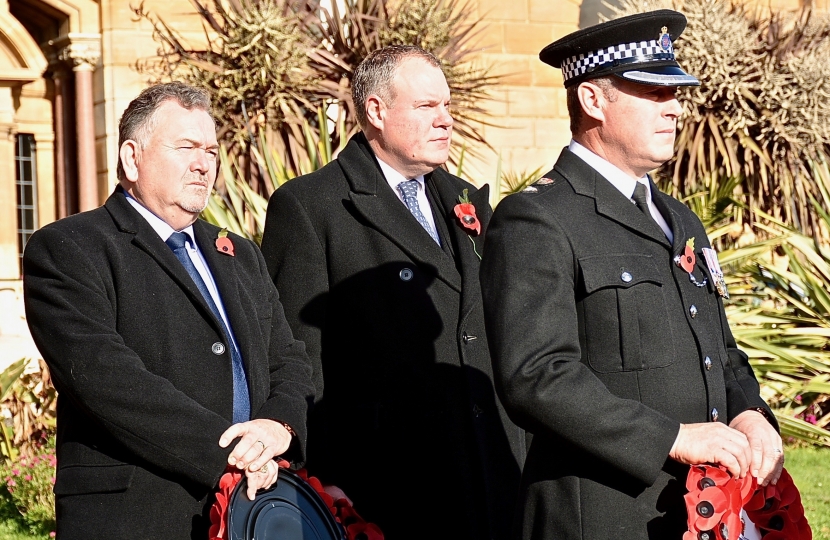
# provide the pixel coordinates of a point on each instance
(721, 507)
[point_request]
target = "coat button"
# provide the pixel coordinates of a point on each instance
(708, 363)
(218, 348)
(693, 311)
(477, 411)
(406, 274)
(626, 277)
(467, 337)
(714, 415)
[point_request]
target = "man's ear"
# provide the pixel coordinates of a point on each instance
(129, 155)
(375, 111)
(592, 100)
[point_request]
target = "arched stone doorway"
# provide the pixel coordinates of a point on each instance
(48, 51)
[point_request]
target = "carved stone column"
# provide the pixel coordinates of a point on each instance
(62, 176)
(83, 53)
(9, 268)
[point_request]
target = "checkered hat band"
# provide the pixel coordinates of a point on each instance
(643, 51)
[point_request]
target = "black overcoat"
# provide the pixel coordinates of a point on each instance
(407, 421)
(143, 398)
(601, 347)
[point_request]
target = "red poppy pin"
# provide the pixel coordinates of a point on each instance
(686, 261)
(466, 212)
(223, 243)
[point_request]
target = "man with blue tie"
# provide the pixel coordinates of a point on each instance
(376, 259)
(165, 339)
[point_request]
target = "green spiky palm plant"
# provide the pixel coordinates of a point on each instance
(271, 64)
(779, 311)
(236, 206)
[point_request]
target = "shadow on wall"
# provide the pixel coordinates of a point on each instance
(590, 10)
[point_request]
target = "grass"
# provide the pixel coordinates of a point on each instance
(11, 528)
(809, 467)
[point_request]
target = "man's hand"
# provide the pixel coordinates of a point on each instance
(261, 440)
(261, 478)
(713, 443)
(765, 444)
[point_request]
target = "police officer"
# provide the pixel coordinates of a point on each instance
(604, 314)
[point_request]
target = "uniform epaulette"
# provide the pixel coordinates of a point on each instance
(540, 183)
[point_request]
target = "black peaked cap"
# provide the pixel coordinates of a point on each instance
(637, 55)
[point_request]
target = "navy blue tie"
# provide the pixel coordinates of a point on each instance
(409, 192)
(241, 399)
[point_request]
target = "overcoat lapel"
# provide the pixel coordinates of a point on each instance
(466, 245)
(129, 221)
(379, 206)
(609, 201)
(224, 270)
(145, 238)
(439, 214)
(661, 201)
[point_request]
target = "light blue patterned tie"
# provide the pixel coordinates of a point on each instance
(409, 192)
(241, 399)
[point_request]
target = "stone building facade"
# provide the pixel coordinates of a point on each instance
(67, 72)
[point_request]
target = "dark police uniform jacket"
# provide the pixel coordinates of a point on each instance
(601, 347)
(143, 369)
(407, 420)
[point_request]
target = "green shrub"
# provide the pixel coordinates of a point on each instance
(28, 484)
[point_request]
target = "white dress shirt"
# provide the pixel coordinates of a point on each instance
(623, 182)
(164, 231)
(393, 178)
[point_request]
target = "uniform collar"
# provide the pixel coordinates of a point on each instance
(623, 182)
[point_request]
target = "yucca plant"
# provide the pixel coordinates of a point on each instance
(236, 206)
(270, 65)
(779, 312)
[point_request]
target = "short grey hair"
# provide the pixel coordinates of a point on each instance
(376, 72)
(138, 120)
(609, 86)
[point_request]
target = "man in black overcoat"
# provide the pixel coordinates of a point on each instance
(161, 385)
(379, 277)
(603, 308)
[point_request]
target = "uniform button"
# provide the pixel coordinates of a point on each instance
(708, 363)
(406, 274)
(477, 411)
(714, 415)
(218, 348)
(626, 277)
(467, 337)
(693, 311)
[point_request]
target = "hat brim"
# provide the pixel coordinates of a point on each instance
(659, 76)
(291, 508)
